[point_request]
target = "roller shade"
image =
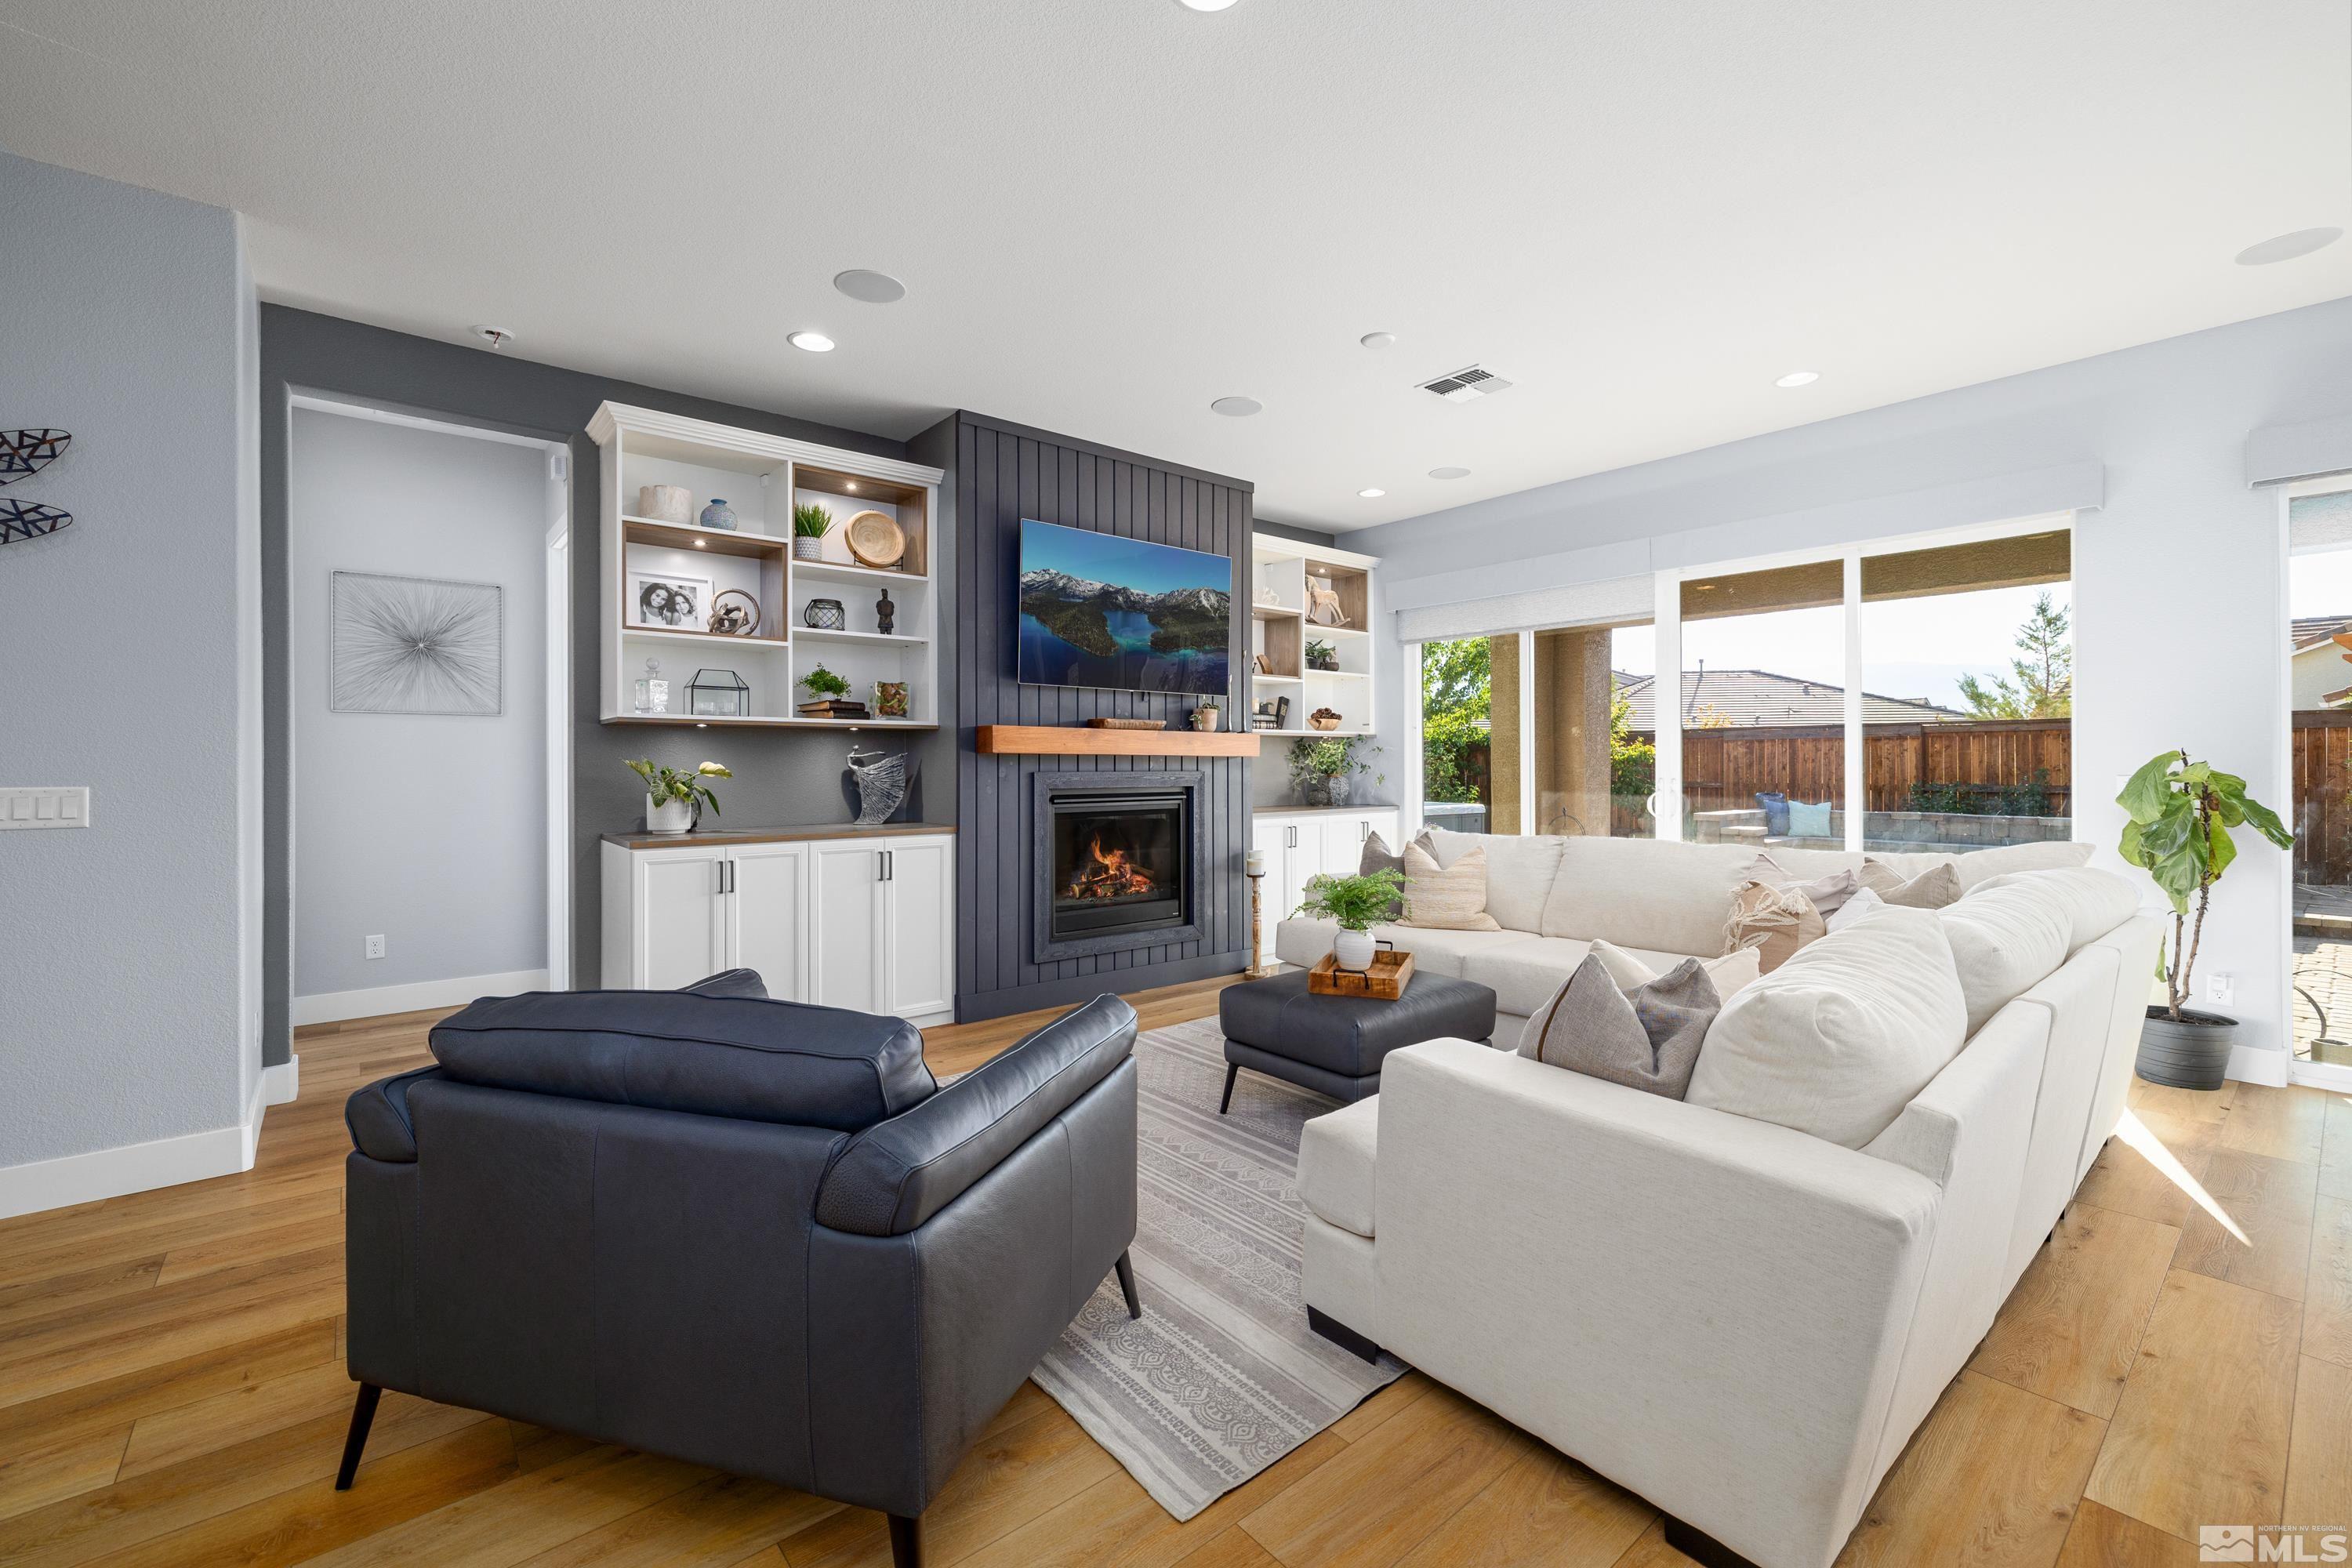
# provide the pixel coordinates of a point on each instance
(1612, 601)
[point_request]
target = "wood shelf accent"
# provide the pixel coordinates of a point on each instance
(1073, 741)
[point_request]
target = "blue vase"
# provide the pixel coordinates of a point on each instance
(719, 514)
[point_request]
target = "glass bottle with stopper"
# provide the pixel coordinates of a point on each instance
(653, 691)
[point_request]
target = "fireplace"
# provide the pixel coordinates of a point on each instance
(1116, 862)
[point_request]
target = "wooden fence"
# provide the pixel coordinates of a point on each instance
(1723, 769)
(2320, 763)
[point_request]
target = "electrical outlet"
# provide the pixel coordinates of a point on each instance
(375, 947)
(2221, 989)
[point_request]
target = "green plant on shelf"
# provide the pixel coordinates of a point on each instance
(810, 521)
(666, 785)
(824, 683)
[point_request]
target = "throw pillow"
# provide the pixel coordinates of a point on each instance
(1729, 973)
(1775, 921)
(1776, 813)
(1809, 819)
(2005, 940)
(2096, 902)
(1378, 856)
(1828, 893)
(1930, 890)
(1855, 908)
(1445, 898)
(1839, 1040)
(1647, 1039)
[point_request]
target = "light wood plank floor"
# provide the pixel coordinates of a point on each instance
(172, 1392)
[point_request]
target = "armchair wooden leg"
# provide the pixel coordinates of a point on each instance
(1232, 1071)
(1127, 1286)
(363, 1416)
(906, 1541)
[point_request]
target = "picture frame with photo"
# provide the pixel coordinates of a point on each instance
(668, 601)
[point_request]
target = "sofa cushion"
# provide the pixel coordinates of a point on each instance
(1836, 1041)
(1336, 1157)
(1519, 871)
(1446, 898)
(1646, 1037)
(2004, 941)
(1632, 966)
(2095, 902)
(1981, 866)
(671, 1051)
(1639, 892)
(1864, 900)
(1302, 942)
(1378, 856)
(1525, 975)
(1930, 887)
(1809, 819)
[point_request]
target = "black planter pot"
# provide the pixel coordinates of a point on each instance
(2191, 1054)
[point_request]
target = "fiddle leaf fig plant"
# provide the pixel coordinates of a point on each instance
(666, 785)
(2181, 813)
(1356, 903)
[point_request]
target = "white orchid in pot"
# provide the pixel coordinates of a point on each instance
(674, 799)
(2181, 813)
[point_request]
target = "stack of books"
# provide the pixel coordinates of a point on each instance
(834, 707)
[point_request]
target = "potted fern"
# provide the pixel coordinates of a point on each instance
(2181, 813)
(1357, 903)
(674, 799)
(810, 523)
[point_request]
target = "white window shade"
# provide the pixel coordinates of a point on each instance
(1611, 600)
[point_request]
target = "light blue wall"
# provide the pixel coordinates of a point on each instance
(2178, 577)
(129, 988)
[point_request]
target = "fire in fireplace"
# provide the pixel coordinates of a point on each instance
(1120, 862)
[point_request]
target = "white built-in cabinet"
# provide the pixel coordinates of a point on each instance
(865, 922)
(1299, 845)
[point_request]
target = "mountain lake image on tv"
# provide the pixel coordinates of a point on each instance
(1101, 610)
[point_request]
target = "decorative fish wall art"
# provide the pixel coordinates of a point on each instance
(24, 452)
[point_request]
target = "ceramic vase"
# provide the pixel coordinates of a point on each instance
(719, 514)
(1352, 950)
(807, 549)
(669, 815)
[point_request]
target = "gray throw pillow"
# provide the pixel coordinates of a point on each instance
(1379, 857)
(1647, 1039)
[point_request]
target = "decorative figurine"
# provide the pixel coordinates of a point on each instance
(885, 613)
(881, 784)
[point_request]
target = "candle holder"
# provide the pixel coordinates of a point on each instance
(1258, 968)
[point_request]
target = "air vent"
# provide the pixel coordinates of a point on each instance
(1467, 384)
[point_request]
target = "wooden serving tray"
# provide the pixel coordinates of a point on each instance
(1385, 981)
(1127, 724)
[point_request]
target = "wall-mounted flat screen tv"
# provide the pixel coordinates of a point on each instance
(1101, 610)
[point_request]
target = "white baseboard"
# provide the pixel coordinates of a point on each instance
(137, 1167)
(2251, 1064)
(281, 1083)
(334, 1007)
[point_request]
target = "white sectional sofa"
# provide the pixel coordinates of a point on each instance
(1739, 1321)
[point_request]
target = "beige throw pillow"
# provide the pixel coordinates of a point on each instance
(1775, 921)
(1828, 893)
(1647, 1038)
(1446, 898)
(1930, 890)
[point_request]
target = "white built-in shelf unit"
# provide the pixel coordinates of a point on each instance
(761, 478)
(1280, 630)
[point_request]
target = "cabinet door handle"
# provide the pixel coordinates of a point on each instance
(1363, 829)
(886, 865)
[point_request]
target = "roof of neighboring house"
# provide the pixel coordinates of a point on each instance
(1760, 696)
(2309, 632)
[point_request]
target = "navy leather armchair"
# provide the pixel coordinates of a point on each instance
(744, 1233)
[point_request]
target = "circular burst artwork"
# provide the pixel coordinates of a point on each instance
(416, 645)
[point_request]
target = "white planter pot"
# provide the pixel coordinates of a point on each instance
(1352, 950)
(807, 549)
(670, 816)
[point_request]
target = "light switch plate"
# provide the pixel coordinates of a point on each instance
(44, 806)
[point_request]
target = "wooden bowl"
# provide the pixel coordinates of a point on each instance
(1322, 723)
(875, 538)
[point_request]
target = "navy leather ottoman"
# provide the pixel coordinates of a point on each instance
(1333, 1044)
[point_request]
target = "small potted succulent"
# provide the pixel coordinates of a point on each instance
(1321, 655)
(1357, 903)
(673, 799)
(2181, 813)
(810, 523)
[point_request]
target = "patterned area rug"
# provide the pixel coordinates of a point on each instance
(1221, 1376)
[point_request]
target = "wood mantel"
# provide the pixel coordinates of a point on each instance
(1076, 741)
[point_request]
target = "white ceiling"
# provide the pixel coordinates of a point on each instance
(1109, 212)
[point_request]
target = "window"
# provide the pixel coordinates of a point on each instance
(1968, 679)
(1762, 707)
(1594, 760)
(1463, 775)
(2319, 755)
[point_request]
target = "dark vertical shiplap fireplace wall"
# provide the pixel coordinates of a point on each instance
(998, 473)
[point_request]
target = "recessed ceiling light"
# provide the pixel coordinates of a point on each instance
(1236, 407)
(1374, 493)
(496, 337)
(1799, 378)
(851, 487)
(814, 343)
(1377, 340)
(1206, 5)
(2287, 247)
(1449, 473)
(874, 287)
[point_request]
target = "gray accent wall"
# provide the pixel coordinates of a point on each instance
(127, 1011)
(1000, 474)
(781, 777)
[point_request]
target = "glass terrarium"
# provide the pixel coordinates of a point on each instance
(718, 694)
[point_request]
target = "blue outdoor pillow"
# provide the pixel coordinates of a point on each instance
(1776, 814)
(1808, 820)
